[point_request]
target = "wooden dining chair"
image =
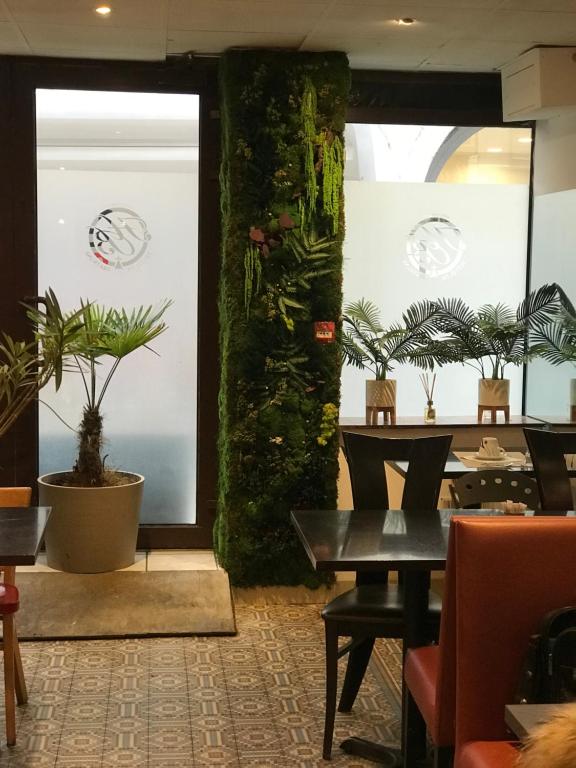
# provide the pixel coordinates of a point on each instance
(494, 485)
(375, 608)
(14, 683)
(510, 572)
(548, 453)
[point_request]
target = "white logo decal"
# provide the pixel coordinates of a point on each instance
(434, 248)
(118, 238)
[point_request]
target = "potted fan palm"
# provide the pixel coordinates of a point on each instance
(490, 338)
(95, 509)
(367, 345)
(26, 367)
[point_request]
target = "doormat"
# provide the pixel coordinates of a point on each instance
(124, 604)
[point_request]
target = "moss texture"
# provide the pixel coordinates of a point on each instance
(283, 118)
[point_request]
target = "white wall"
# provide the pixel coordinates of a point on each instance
(555, 155)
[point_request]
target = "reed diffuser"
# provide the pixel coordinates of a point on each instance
(428, 382)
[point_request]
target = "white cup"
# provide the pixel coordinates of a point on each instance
(491, 448)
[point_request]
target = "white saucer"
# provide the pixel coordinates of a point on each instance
(483, 457)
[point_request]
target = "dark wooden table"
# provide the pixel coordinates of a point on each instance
(522, 718)
(21, 532)
(455, 468)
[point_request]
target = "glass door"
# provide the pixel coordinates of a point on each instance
(117, 197)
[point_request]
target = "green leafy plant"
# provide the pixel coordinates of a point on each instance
(556, 337)
(113, 334)
(366, 344)
(26, 367)
(491, 337)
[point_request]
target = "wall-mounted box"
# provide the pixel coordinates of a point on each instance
(539, 84)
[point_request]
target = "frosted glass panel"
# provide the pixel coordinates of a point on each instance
(475, 233)
(553, 244)
(117, 224)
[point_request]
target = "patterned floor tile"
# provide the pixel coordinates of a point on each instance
(255, 700)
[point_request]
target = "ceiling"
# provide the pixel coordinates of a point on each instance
(457, 35)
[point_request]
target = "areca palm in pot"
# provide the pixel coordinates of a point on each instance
(491, 338)
(369, 346)
(95, 510)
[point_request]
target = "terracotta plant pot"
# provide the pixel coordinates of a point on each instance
(494, 392)
(91, 530)
(381, 392)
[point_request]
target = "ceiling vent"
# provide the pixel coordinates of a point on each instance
(539, 84)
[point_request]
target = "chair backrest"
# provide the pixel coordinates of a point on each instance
(547, 451)
(426, 458)
(488, 485)
(510, 572)
(13, 497)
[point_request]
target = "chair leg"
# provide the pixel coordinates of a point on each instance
(331, 685)
(358, 659)
(414, 731)
(9, 691)
(21, 692)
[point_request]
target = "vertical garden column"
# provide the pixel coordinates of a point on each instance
(283, 119)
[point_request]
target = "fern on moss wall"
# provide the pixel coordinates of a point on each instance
(283, 117)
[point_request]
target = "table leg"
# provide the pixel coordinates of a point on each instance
(416, 586)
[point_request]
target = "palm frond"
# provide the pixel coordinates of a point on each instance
(364, 316)
(540, 305)
(555, 343)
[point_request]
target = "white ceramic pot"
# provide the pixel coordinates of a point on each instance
(381, 392)
(572, 392)
(91, 530)
(494, 392)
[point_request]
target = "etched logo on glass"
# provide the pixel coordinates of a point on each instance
(118, 238)
(435, 248)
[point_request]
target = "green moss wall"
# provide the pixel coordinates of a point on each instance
(283, 118)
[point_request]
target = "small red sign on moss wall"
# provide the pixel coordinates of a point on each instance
(325, 332)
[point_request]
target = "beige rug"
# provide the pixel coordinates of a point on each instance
(124, 604)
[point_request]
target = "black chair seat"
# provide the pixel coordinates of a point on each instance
(373, 604)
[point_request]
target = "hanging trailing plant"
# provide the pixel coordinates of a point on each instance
(283, 117)
(332, 177)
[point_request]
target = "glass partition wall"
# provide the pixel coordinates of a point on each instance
(117, 196)
(550, 394)
(434, 211)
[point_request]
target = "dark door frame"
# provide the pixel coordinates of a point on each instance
(19, 79)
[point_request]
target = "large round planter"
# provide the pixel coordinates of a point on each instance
(91, 530)
(494, 392)
(381, 393)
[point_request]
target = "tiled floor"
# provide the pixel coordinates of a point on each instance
(250, 701)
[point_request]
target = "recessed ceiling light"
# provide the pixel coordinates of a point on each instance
(103, 10)
(61, 221)
(406, 21)
(494, 150)
(525, 140)
(62, 168)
